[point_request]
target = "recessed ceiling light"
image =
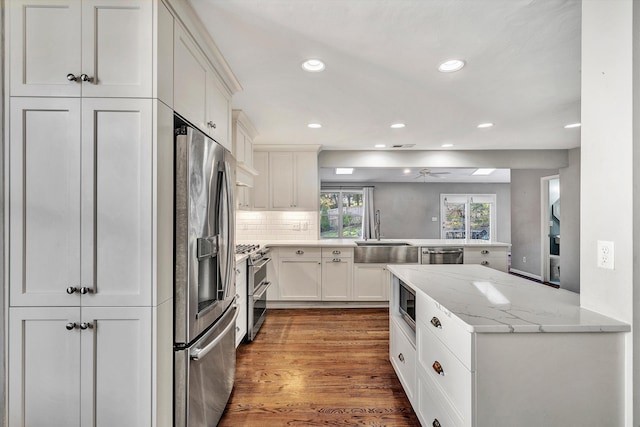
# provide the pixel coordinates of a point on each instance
(314, 125)
(379, 145)
(485, 125)
(484, 171)
(344, 171)
(573, 125)
(313, 65)
(446, 145)
(407, 171)
(451, 66)
(397, 126)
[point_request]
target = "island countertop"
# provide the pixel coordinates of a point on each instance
(411, 242)
(485, 300)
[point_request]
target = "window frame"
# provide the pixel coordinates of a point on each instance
(467, 199)
(341, 190)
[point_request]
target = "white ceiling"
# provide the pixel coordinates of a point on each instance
(522, 72)
(439, 175)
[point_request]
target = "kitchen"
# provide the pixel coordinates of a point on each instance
(606, 167)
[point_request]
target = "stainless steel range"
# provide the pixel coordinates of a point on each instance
(257, 285)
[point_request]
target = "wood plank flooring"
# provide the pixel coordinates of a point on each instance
(318, 367)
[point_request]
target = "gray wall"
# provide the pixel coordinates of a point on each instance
(525, 219)
(570, 223)
(406, 209)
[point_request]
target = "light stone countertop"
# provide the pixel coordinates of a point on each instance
(485, 300)
(412, 242)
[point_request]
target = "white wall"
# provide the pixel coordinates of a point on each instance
(607, 174)
(570, 223)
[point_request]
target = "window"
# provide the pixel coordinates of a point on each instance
(468, 216)
(341, 213)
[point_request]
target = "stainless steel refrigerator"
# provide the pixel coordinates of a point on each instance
(204, 275)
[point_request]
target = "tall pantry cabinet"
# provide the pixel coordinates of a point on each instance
(89, 209)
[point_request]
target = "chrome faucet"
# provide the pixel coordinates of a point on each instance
(376, 226)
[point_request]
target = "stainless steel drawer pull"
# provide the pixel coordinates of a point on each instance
(436, 423)
(436, 322)
(72, 78)
(438, 368)
(86, 78)
(485, 263)
(484, 252)
(336, 252)
(72, 289)
(401, 357)
(337, 260)
(70, 325)
(299, 252)
(86, 325)
(84, 290)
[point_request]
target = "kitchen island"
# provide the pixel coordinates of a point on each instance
(491, 349)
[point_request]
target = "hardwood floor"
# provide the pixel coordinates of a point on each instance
(312, 367)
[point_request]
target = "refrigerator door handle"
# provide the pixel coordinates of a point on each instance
(226, 227)
(199, 353)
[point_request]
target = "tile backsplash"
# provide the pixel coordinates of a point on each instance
(276, 225)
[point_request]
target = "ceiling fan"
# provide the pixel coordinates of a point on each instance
(424, 173)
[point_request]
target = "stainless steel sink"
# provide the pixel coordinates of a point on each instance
(380, 243)
(386, 253)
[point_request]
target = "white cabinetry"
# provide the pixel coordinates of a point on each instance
(243, 133)
(199, 96)
(85, 235)
(89, 47)
(95, 360)
(292, 180)
(260, 191)
(370, 282)
(337, 274)
(300, 274)
(491, 256)
(241, 301)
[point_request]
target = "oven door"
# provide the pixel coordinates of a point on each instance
(257, 309)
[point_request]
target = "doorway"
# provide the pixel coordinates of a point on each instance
(550, 229)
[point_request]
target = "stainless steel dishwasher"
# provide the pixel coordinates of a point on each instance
(431, 255)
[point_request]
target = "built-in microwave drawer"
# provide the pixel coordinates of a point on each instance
(449, 331)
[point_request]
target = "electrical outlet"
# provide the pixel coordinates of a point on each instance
(296, 226)
(434, 219)
(305, 226)
(605, 254)
(524, 259)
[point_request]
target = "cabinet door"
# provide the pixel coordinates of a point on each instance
(337, 274)
(116, 366)
(370, 282)
(117, 48)
(45, 46)
(306, 181)
(44, 373)
(44, 201)
(300, 279)
(282, 179)
(260, 190)
(218, 110)
(117, 202)
(190, 77)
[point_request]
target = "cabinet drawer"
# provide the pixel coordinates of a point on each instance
(431, 316)
(403, 358)
(337, 253)
(443, 368)
(299, 252)
(432, 409)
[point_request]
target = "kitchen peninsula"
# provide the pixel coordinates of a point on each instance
(490, 349)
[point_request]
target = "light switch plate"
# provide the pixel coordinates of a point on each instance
(605, 254)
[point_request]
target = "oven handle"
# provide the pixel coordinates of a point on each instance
(263, 289)
(199, 353)
(262, 264)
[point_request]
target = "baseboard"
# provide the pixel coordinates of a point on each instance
(327, 304)
(526, 274)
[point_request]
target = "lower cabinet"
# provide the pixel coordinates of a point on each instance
(71, 366)
(402, 354)
(337, 274)
(370, 282)
(495, 257)
(241, 301)
(300, 274)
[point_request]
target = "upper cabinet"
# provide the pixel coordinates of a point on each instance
(81, 48)
(292, 178)
(199, 95)
(243, 133)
